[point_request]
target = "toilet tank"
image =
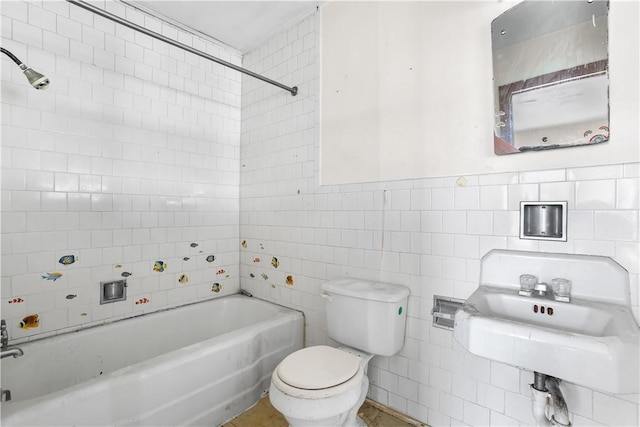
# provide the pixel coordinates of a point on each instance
(369, 316)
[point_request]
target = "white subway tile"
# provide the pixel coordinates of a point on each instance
(493, 197)
(616, 225)
(442, 244)
(596, 194)
(505, 377)
(632, 170)
(490, 397)
(452, 406)
(467, 246)
(520, 193)
(559, 191)
(66, 182)
(480, 222)
(506, 223)
(595, 247)
(16, 9)
(542, 176)
(498, 419)
(454, 222)
(51, 201)
(595, 172)
(476, 415)
(498, 179)
(67, 27)
(613, 411)
(467, 198)
(519, 407)
(16, 179)
(431, 221)
(421, 199)
(628, 255)
(627, 193)
(442, 198)
(464, 387)
(454, 268)
(27, 34)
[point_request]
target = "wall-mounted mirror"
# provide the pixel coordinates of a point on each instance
(550, 73)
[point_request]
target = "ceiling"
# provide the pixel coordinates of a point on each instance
(243, 25)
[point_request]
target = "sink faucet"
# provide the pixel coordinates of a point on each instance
(560, 289)
(540, 289)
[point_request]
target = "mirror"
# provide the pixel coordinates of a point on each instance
(550, 74)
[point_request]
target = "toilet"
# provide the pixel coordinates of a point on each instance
(325, 386)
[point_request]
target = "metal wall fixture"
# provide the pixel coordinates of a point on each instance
(543, 221)
(444, 311)
(37, 80)
(293, 90)
(113, 291)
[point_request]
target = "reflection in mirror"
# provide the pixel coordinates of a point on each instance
(550, 72)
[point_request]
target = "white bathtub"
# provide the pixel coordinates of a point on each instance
(199, 364)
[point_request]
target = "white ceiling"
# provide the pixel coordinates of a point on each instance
(243, 25)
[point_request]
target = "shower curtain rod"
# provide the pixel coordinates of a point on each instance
(293, 90)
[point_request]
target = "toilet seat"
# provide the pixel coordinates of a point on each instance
(318, 367)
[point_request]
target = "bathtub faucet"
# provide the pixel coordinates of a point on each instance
(15, 352)
(5, 351)
(5, 395)
(245, 293)
(5, 334)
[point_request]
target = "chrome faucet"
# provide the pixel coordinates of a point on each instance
(5, 334)
(15, 352)
(4, 350)
(560, 289)
(540, 289)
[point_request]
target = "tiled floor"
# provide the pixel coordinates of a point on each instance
(264, 415)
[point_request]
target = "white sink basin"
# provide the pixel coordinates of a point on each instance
(592, 341)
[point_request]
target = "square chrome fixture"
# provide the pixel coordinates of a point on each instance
(543, 221)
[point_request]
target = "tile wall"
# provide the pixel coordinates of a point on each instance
(127, 162)
(428, 234)
(136, 152)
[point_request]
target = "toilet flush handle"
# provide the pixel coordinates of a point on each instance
(327, 296)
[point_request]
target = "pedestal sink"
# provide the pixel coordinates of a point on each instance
(593, 341)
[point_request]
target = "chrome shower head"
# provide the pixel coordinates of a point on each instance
(36, 79)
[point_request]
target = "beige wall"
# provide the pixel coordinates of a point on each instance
(407, 92)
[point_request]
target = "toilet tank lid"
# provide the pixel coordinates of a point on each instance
(373, 291)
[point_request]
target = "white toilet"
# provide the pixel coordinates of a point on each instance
(325, 386)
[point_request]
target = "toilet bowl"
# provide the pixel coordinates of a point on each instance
(321, 386)
(325, 386)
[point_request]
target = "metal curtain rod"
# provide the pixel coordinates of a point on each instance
(108, 15)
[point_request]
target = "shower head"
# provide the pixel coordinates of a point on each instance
(36, 79)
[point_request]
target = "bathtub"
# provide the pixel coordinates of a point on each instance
(199, 364)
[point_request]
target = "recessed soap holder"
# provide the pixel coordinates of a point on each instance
(543, 221)
(113, 291)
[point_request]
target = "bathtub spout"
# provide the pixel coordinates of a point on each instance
(245, 293)
(5, 395)
(15, 352)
